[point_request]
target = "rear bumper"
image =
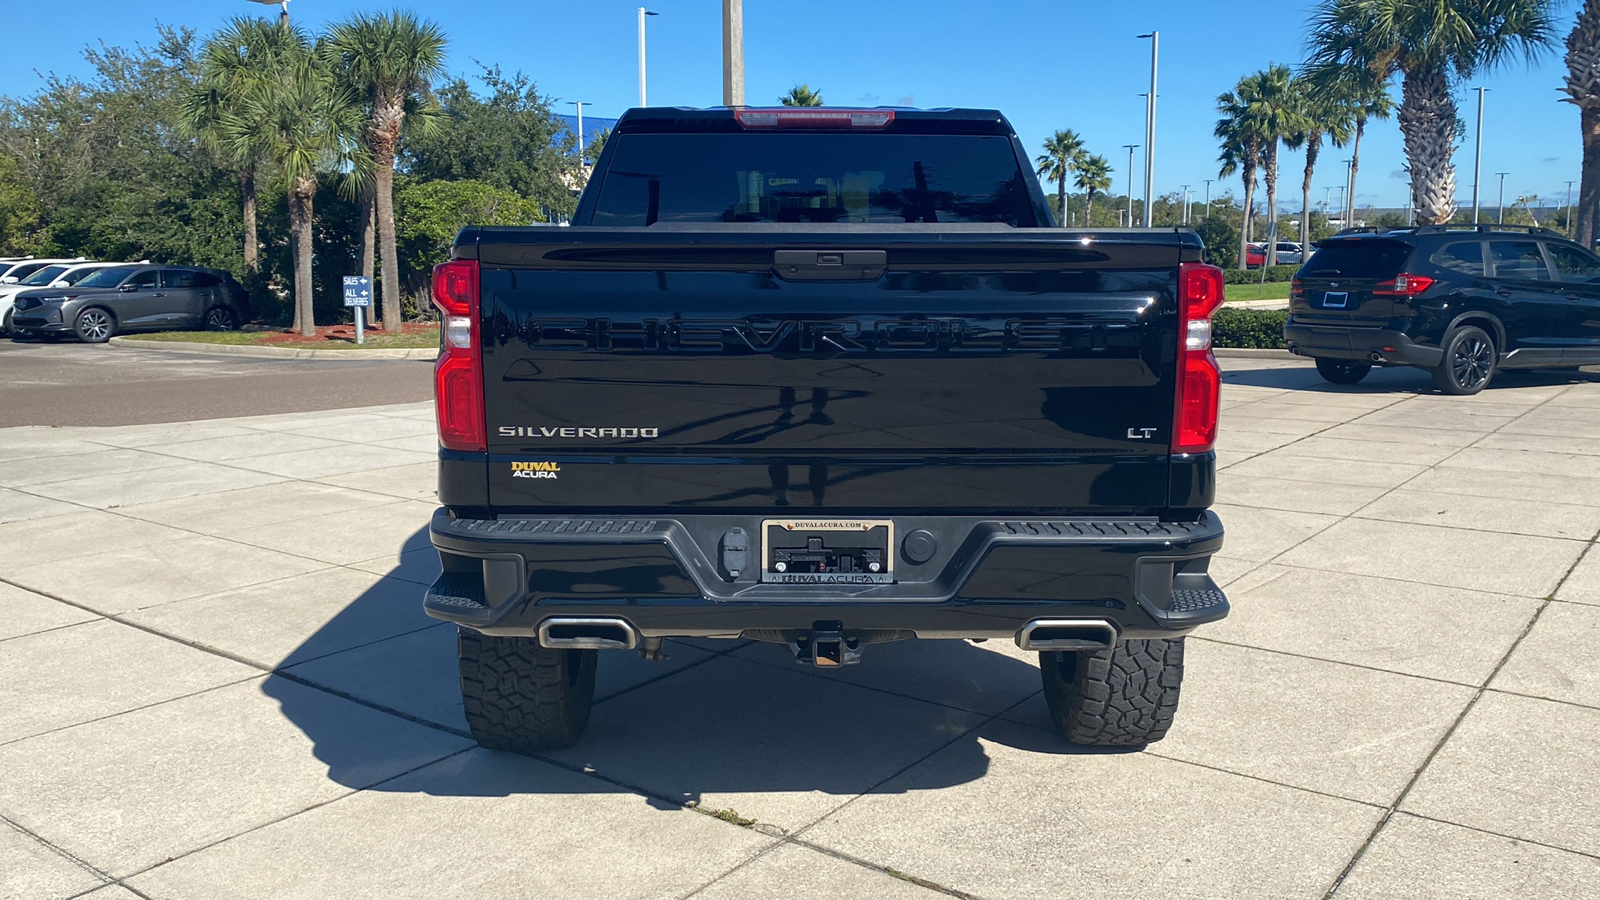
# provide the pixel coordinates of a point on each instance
(987, 578)
(1379, 345)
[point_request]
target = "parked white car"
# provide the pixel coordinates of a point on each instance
(63, 273)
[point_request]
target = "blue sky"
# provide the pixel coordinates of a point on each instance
(1047, 65)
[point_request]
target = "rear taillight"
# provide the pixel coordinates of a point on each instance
(788, 117)
(1194, 413)
(1403, 285)
(1296, 290)
(458, 375)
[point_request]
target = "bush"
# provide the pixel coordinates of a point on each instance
(1258, 329)
(1251, 276)
(1221, 240)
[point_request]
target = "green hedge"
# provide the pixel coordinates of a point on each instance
(1252, 276)
(1260, 329)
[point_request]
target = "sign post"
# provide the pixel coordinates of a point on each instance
(358, 294)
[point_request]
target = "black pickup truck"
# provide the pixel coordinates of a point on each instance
(827, 378)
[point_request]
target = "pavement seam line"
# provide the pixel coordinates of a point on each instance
(132, 709)
(62, 852)
(1471, 704)
(1501, 834)
(1337, 662)
(351, 792)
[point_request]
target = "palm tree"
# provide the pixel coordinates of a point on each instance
(1242, 140)
(1583, 88)
(230, 61)
(1272, 112)
(295, 107)
(1063, 152)
(1094, 174)
(1431, 44)
(801, 95)
(391, 57)
(1326, 112)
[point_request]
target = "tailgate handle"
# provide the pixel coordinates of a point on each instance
(829, 265)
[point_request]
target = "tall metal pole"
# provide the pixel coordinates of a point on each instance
(732, 52)
(1327, 197)
(1131, 148)
(1569, 208)
(1208, 198)
(1349, 196)
(642, 13)
(1477, 157)
(1150, 129)
(1501, 219)
(1186, 204)
(579, 104)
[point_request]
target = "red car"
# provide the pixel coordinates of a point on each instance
(1255, 255)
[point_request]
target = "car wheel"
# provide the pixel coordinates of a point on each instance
(1469, 362)
(1122, 697)
(522, 697)
(94, 326)
(1342, 371)
(218, 318)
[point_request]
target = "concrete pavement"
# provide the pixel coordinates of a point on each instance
(216, 681)
(94, 384)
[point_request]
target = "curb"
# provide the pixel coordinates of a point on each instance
(275, 352)
(1252, 353)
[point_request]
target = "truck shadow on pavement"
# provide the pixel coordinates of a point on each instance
(375, 689)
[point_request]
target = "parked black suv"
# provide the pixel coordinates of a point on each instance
(1461, 301)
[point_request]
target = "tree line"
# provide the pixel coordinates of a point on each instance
(289, 158)
(1358, 47)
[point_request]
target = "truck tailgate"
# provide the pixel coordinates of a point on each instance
(877, 368)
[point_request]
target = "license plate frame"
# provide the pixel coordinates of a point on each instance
(856, 537)
(1344, 300)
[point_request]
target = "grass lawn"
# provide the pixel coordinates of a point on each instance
(1272, 290)
(375, 340)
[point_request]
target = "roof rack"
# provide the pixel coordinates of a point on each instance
(1446, 229)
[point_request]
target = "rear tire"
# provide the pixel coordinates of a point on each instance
(1342, 371)
(1469, 362)
(218, 318)
(522, 697)
(1124, 697)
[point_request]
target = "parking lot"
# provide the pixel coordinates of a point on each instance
(216, 681)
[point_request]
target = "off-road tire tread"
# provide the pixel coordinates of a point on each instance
(1126, 697)
(521, 697)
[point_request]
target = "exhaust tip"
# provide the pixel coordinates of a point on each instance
(588, 634)
(1067, 634)
(1295, 349)
(1375, 356)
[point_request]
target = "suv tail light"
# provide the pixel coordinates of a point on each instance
(458, 375)
(1403, 285)
(1194, 412)
(789, 117)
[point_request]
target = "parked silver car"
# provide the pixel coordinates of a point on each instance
(132, 298)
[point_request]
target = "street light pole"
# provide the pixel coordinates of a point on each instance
(642, 13)
(579, 104)
(1130, 148)
(1186, 204)
(1569, 207)
(1348, 198)
(1150, 127)
(1477, 157)
(1208, 198)
(1501, 218)
(732, 52)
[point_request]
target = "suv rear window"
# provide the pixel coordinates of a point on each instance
(870, 178)
(1358, 259)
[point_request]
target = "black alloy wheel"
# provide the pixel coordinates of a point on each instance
(1468, 364)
